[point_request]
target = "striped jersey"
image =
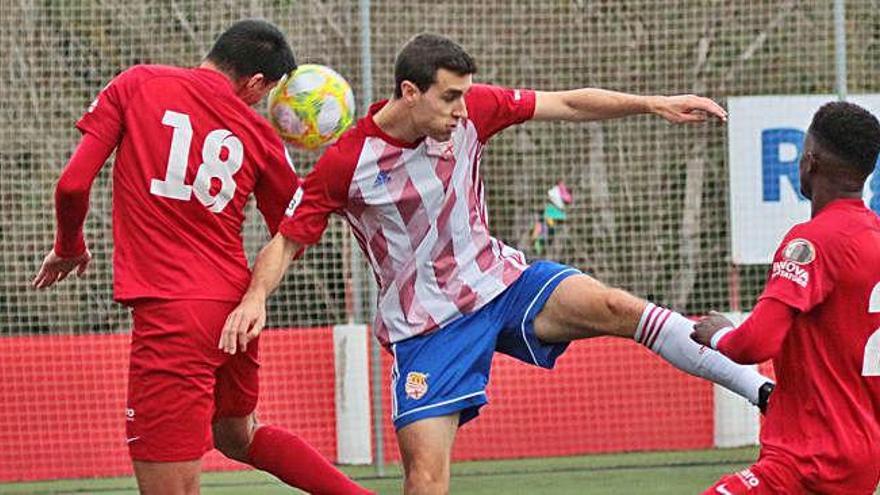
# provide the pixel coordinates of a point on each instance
(418, 212)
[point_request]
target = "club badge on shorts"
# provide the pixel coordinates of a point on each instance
(416, 385)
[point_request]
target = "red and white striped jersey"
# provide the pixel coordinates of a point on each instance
(418, 212)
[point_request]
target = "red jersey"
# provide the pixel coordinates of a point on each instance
(825, 411)
(189, 153)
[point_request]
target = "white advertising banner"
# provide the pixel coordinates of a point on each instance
(765, 139)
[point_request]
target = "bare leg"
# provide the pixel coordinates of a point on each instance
(168, 478)
(582, 307)
(426, 448)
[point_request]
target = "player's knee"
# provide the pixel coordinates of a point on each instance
(422, 480)
(622, 312)
(232, 439)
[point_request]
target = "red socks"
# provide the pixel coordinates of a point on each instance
(298, 464)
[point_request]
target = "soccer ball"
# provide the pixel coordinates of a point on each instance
(312, 106)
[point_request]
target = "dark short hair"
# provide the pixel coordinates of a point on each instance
(253, 46)
(421, 58)
(848, 131)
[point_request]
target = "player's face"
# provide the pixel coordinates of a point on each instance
(805, 167)
(437, 111)
(254, 88)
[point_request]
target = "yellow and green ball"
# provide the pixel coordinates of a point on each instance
(312, 106)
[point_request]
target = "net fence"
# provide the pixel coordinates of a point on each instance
(650, 201)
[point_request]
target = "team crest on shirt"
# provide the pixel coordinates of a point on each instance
(444, 150)
(800, 251)
(416, 385)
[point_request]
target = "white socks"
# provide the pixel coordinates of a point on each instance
(669, 334)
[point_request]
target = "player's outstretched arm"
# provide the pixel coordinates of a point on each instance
(246, 321)
(589, 104)
(758, 339)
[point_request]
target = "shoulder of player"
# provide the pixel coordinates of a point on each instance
(339, 160)
(346, 150)
(479, 92)
(814, 238)
(143, 73)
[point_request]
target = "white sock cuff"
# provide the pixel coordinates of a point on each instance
(653, 323)
(642, 321)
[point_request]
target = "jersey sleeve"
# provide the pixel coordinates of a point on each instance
(104, 118)
(324, 191)
(493, 109)
(801, 275)
(760, 337)
(72, 194)
(276, 187)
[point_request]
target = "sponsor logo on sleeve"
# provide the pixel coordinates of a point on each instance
(796, 254)
(416, 385)
(294, 202)
(94, 104)
(800, 251)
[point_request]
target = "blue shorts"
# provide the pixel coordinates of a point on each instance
(446, 371)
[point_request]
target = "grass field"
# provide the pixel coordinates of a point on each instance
(643, 473)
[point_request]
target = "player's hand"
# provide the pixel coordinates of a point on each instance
(244, 324)
(55, 268)
(687, 109)
(708, 326)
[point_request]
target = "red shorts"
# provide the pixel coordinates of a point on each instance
(765, 477)
(179, 381)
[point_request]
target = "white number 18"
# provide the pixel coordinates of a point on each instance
(871, 364)
(212, 167)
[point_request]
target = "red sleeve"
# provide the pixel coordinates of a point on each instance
(104, 118)
(324, 191)
(760, 337)
(72, 194)
(802, 274)
(276, 187)
(493, 109)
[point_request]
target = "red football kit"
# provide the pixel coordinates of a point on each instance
(189, 153)
(822, 429)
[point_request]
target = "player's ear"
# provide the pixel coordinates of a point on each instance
(409, 91)
(256, 81)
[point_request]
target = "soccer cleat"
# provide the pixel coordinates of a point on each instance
(764, 396)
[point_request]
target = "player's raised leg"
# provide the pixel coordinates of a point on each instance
(582, 307)
(426, 450)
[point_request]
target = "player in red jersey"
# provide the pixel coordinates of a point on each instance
(407, 179)
(190, 150)
(819, 320)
